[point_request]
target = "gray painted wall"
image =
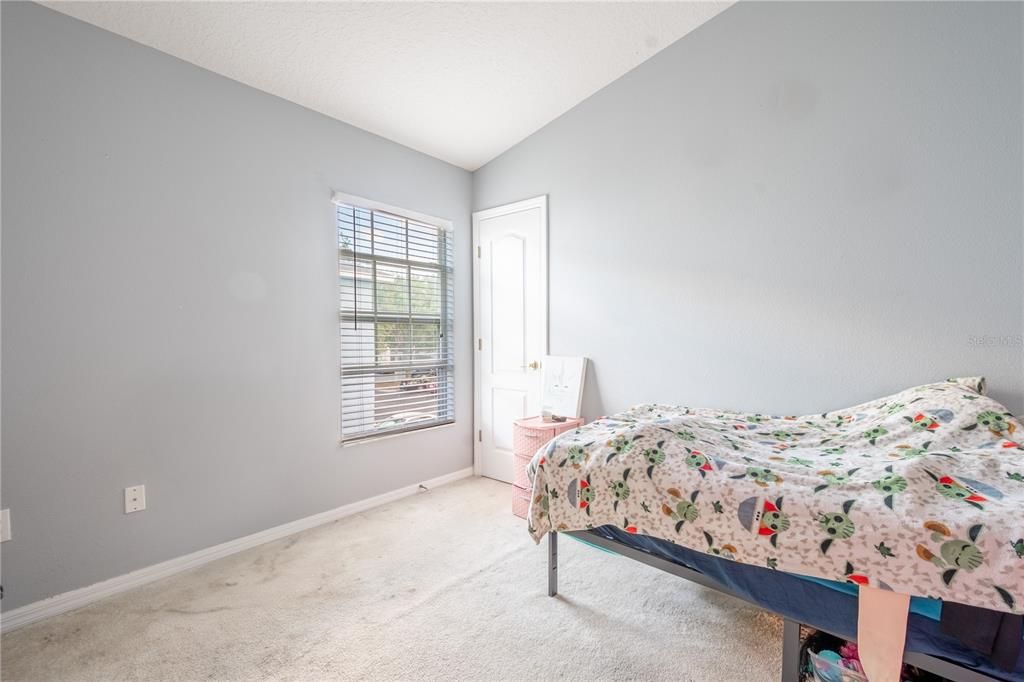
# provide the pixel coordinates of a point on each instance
(795, 208)
(170, 306)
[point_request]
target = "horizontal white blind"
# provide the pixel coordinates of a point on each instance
(395, 287)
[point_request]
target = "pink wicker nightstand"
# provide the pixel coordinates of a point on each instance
(528, 436)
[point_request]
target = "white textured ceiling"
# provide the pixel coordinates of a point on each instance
(461, 81)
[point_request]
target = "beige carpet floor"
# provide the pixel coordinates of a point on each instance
(443, 585)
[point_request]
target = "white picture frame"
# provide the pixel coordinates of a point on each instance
(562, 385)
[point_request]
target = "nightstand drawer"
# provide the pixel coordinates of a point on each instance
(527, 441)
(519, 464)
(521, 501)
(530, 435)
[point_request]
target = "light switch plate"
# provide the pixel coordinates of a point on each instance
(134, 498)
(5, 525)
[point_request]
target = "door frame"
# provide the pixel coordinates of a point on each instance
(540, 202)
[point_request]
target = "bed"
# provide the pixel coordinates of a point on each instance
(918, 493)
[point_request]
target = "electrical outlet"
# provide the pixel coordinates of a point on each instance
(134, 499)
(5, 525)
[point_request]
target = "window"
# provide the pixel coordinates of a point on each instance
(395, 286)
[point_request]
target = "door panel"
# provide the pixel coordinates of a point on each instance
(510, 319)
(508, 303)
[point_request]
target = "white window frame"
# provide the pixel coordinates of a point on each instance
(440, 223)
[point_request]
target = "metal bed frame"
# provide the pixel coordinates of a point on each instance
(790, 629)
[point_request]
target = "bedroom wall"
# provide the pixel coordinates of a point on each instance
(797, 207)
(170, 306)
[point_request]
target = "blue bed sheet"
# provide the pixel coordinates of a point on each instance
(832, 607)
(929, 608)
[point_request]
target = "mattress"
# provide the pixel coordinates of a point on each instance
(830, 607)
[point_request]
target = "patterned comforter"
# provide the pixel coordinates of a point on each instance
(921, 492)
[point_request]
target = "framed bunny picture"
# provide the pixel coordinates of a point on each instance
(562, 385)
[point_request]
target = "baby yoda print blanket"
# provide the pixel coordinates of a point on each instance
(921, 492)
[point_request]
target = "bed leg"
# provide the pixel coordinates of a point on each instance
(552, 564)
(790, 651)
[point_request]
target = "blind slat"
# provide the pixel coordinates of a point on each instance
(395, 314)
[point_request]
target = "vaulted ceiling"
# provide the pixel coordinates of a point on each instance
(461, 81)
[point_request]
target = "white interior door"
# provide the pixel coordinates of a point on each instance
(510, 303)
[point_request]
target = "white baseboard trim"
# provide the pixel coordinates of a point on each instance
(75, 599)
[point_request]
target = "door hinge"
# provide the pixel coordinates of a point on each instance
(478, 252)
(480, 435)
(479, 344)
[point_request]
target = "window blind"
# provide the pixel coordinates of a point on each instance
(395, 290)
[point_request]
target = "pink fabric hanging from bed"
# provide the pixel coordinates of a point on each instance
(882, 632)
